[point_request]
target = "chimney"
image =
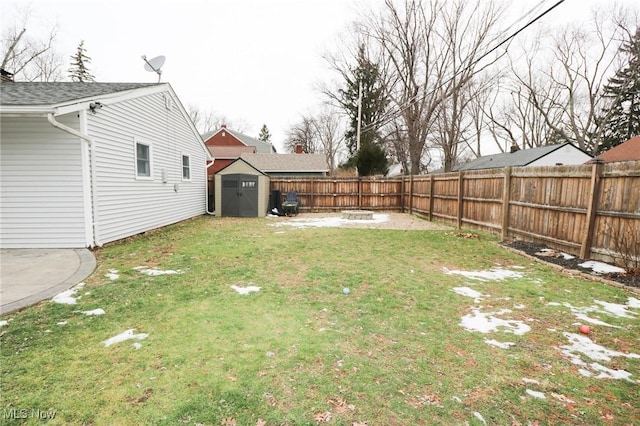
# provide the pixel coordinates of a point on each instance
(299, 149)
(224, 126)
(515, 147)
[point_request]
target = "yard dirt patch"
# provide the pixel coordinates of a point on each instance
(543, 253)
(393, 221)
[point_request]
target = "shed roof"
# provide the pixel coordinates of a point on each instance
(627, 151)
(519, 158)
(290, 163)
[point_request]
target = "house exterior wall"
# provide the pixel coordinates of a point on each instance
(126, 204)
(240, 167)
(42, 203)
(567, 155)
(223, 138)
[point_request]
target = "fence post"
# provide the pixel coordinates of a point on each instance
(594, 198)
(359, 192)
(311, 196)
(431, 200)
(506, 199)
(411, 194)
(460, 198)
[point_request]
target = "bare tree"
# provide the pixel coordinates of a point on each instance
(303, 134)
(432, 49)
(564, 84)
(207, 120)
(28, 58)
(330, 136)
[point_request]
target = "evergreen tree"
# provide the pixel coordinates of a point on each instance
(265, 135)
(79, 71)
(374, 102)
(621, 121)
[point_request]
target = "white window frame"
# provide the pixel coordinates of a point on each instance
(138, 176)
(182, 157)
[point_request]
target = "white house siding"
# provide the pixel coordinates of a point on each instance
(125, 205)
(41, 196)
(567, 155)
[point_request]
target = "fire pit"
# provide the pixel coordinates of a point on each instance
(357, 214)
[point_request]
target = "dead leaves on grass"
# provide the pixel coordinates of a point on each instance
(340, 407)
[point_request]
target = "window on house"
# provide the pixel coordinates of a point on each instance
(143, 160)
(186, 167)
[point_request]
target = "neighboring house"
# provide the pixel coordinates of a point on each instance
(549, 155)
(627, 151)
(84, 164)
(226, 145)
(308, 165)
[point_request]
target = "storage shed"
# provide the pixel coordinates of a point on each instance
(241, 190)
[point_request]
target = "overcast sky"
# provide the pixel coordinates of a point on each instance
(254, 61)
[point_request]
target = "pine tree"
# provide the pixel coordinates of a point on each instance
(79, 71)
(265, 135)
(621, 121)
(374, 104)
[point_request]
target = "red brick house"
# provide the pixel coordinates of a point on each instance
(226, 145)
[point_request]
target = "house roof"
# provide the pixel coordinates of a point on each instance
(290, 163)
(261, 146)
(53, 93)
(230, 151)
(519, 158)
(627, 151)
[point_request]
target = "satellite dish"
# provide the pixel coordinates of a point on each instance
(154, 64)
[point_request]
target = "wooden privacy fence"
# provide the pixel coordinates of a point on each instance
(590, 210)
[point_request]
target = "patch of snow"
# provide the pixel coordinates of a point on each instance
(113, 274)
(536, 394)
(469, 292)
(502, 345)
(609, 309)
(456, 399)
(583, 344)
(246, 290)
(137, 345)
(66, 297)
(153, 272)
(330, 222)
(616, 309)
(608, 373)
(94, 312)
(487, 322)
(479, 417)
(61, 323)
(494, 274)
(3, 323)
(530, 381)
(125, 335)
(519, 306)
(633, 303)
(601, 268)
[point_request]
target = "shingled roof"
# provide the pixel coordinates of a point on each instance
(515, 159)
(53, 93)
(287, 163)
(262, 147)
(627, 151)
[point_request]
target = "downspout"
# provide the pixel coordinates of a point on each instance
(90, 143)
(206, 189)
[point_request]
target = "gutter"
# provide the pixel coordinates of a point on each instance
(90, 143)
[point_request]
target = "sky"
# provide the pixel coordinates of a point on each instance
(254, 62)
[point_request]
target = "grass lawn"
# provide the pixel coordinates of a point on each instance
(393, 351)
